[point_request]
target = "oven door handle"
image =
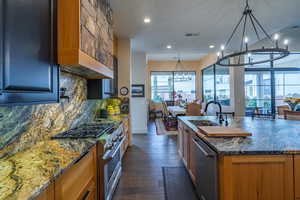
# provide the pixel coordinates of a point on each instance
(110, 154)
(205, 152)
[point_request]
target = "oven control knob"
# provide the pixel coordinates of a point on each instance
(121, 138)
(109, 146)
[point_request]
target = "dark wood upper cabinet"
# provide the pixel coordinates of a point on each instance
(27, 52)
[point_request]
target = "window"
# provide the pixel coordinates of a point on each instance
(216, 84)
(208, 84)
(162, 86)
(258, 91)
(287, 84)
(268, 84)
(185, 85)
(170, 86)
(223, 85)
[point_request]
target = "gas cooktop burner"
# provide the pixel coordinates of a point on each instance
(89, 130)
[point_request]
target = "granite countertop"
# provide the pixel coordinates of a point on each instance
(25, 174)
(268, 136)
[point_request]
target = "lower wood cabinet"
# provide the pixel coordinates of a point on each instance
(48, 194)
(256, 177)
(78, 182)
(245, 177)
(180, 139)
(186, 149)
(297, 176)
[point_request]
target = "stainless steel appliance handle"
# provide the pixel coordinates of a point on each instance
(207, 154)
(110, 154)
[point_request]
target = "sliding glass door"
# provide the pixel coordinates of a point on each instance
(162, 86)
(216, 84)
(258, 91)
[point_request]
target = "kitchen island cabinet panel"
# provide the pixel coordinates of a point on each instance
(256, 177)
(186, 147)
(180, 139)
(297, 176)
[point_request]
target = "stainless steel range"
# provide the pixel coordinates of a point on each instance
(89, 130)
(110, 138)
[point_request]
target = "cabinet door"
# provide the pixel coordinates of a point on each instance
(180, 140)
(297, 176)
(186, 151)
(193, 159)
(27, 69)
(257, 177)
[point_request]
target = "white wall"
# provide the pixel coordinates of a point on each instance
(139, 105)
(124, 64)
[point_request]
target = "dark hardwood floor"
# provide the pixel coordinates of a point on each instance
(142, 177)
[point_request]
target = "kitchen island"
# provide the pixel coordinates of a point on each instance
(263, 166)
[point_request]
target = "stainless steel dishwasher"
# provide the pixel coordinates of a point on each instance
(206, 173)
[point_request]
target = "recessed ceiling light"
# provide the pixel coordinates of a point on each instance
(169, 46)
(211, 46)
(147, 20)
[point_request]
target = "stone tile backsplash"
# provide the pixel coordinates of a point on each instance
(23, 126)
(97, 30)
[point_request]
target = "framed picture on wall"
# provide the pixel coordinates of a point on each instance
(138, 90)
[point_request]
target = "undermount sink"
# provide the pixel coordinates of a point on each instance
(203, 123)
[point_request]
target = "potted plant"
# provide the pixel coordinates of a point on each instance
(292, 102)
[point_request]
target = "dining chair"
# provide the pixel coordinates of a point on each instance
(194, 109)
(170, 122)
(281, 109)
(291, 115)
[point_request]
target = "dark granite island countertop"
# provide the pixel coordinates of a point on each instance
(268, 136)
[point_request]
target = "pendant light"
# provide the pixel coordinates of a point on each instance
(243, 56)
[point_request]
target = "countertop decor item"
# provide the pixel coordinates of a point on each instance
(292, 102)
(243, 55)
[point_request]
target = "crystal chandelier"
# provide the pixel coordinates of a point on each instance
(244, 56)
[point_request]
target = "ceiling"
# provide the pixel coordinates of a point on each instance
(213, 20)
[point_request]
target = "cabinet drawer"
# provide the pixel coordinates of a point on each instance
(48, 194)
(78, 182)
(89, 192)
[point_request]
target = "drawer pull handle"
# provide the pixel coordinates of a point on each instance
(86, 195)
